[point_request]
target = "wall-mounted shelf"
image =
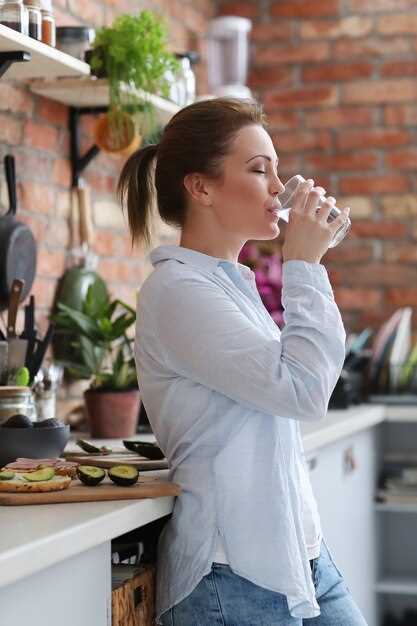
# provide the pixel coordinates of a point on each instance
(397, 585)
(44, 60)
(91, 92)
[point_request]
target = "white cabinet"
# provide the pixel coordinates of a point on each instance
(343, 476)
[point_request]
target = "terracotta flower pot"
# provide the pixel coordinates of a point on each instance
(117, 135)
(112, 414)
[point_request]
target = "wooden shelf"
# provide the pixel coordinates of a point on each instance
(94, 92)
(45, 61)
(397, 585)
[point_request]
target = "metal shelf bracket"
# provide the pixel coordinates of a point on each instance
(78, 162)
(7, 58)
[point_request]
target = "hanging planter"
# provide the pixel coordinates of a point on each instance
(131, 54)
(116, 133)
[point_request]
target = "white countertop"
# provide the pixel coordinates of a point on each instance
(35, 537)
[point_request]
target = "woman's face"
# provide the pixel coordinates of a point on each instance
(244, 197)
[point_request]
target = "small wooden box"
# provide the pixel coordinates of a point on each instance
(133, 595)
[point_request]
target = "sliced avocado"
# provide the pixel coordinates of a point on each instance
(6, 475)
(46, 473)
(91, 449)
(90, 475)
(123, 475)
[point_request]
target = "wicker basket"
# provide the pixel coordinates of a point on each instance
(133, 595)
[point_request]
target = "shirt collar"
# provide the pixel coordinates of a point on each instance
(193, 257)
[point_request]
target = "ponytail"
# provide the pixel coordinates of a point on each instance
(136, 192)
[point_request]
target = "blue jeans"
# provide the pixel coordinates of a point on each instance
(222, 598)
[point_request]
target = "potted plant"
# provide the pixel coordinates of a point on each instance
(132, 55)
(105, 357)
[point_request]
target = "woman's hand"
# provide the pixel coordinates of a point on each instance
(308, 234)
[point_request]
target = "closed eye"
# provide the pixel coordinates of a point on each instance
(259, 171)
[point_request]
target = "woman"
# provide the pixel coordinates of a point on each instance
(225, 391)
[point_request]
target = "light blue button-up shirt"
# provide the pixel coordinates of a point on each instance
(225, 391)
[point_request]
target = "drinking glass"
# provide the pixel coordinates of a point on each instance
(287, 196)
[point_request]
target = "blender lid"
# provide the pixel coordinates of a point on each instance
(228, 25)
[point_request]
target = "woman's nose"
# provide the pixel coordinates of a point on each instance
(277, 186)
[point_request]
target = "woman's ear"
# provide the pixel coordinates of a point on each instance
(198, 188)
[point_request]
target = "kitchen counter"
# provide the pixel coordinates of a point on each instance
(38, 539)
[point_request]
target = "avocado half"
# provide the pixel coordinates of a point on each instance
(123, 475)
(90, 475)
(46, 473)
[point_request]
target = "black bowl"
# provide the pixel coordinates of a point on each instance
(32, 443)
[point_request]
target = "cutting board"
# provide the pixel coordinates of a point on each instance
(146, 487)
(117, 458)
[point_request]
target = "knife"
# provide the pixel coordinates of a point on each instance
(17, 346)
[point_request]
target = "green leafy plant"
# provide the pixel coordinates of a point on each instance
(105, 349)
(133, 52)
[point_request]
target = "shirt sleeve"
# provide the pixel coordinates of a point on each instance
(205, 337)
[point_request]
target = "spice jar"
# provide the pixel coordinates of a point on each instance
(33, 8)
(13, 14)
(48, 23)
(16, 400)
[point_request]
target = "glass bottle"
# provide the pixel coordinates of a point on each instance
(16, 400)
(286, 197)
(13, 14)
(48, 23)
(33, 8)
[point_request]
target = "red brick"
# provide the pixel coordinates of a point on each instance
(243, 9)
(37, 197)
(52, 112)
(40, 136)
(302, 141)
(400, 252)
(379, 92)
(352, 161)
(334, 118)
(10, 130)
(399, 69)
(401, 115)
(58, 232)
(335, 72)
(51, 263)
(357, 298)
(269, 77)
(17, 100)
(263, 32)
(374, 138)
(401, 297)
(300, 53)
(402, 159)
(385, 229)
(284, 120)
(90, 12)
(400, 24)
(44, 291)
(350, 252)
(62, 172)
(305, 8)
(352, 26)
(377, 184)
(369, 47)
(34, 163)
(301, 98)
(382, 274)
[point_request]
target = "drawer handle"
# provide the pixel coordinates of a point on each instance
(349, 462)
(312, 463)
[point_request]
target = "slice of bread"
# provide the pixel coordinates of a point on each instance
(19, 484)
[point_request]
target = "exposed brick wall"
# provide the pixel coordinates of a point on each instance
(338, 79)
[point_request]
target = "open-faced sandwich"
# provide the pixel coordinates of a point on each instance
(37, 475)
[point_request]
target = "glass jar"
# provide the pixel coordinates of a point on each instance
(16, 400)
(183, 82)
(33, 8)
(13, 14)
(48, 23)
